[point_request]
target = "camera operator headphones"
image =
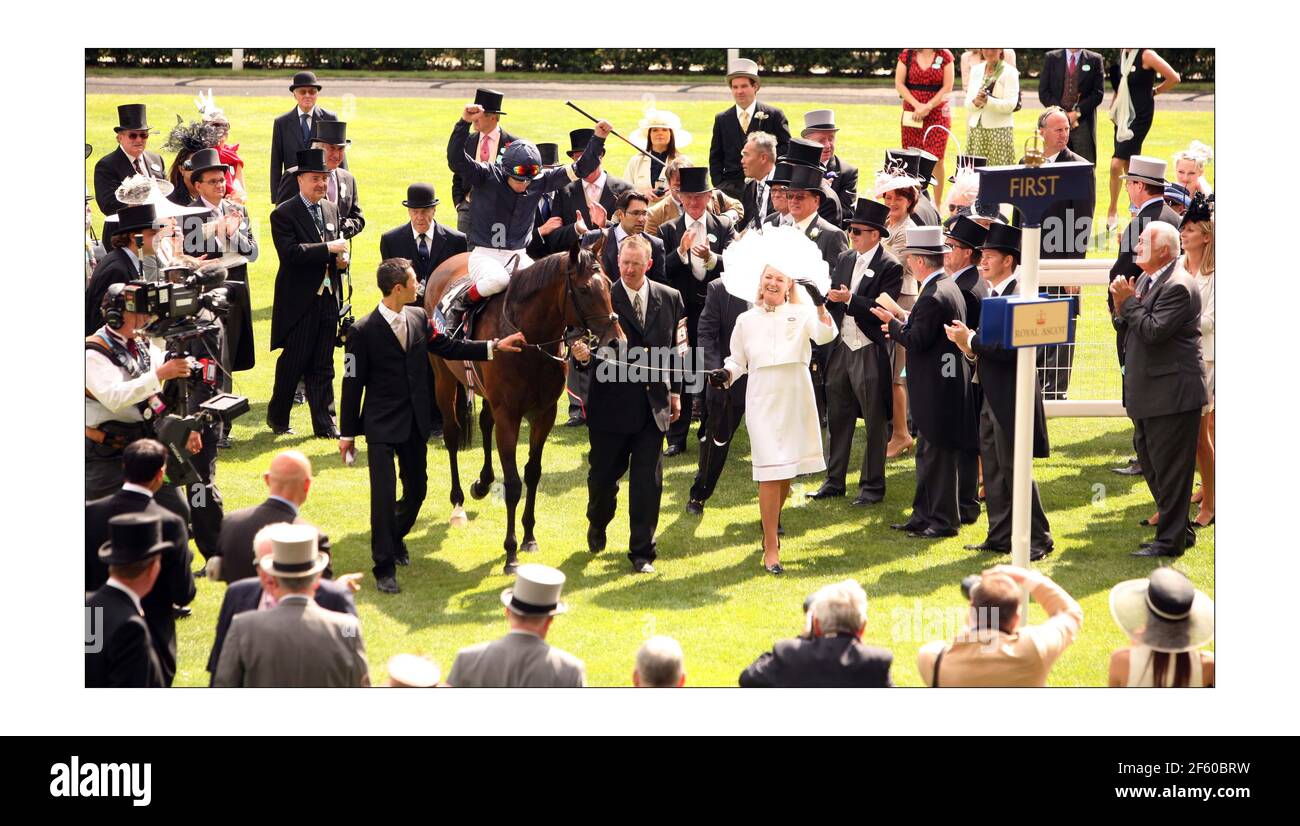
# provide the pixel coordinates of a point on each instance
(113, 306)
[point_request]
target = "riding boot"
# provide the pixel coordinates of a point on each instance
(458, 309)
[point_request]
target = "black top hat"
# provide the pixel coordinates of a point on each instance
(204, 160)
(806, 178)
(132, 537)
(780, 174)
(311, 160)
(968, 162)
(332, 132)
(1002, 237)
(420, 196)
(803, 153)
(872, 214)
(131, 117)
(893, 156)
(304, 79)
(490, 100)
(134, 218)
(694, 180)
(550, 153)
(966, 232)
(925, 163)
(578, 139)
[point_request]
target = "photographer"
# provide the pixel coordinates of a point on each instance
(992, 652)
(132, 239)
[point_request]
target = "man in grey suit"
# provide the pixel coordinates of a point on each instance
(1158, 319)
(296, 644)
(522, 659)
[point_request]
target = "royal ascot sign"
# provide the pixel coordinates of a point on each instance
(1033, 189)
(1012, 321)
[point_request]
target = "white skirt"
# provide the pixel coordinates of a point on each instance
(785, 437)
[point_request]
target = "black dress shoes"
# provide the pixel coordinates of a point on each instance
(674, 450)
(575, 421)
(1134, 468)
(826, 491)
(279, 430)
(931, 533)
(224, 442)
(299, 397)
(387, 585)
(642, 566)
(1035, 554)
(985, 546)
(595, 539)
(402, 557)
(332, 433)
(907, 527)
(968, 519)
(181, 611)
(695, 507)
(864, 499)
(1152, 549)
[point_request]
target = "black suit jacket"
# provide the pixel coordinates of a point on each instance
(680, 276)
(1124, 264)
(749, 200)
(114, 168)
(1067, 225)
(997, 371)
(286, 140)
(838, 661)
(609, 257)
(938, 375)
(624, 406)
(458, 188)
(444, 242)
(351, 218)
(717, 321)
(728, 139)
(114, 268)
(1092, 86)
(886, 279)
(175, 584)
(304, 260)
(831, 241)
(843, 179)
(1162, 346)
(238, 529)
(245, 243)
(246, 595)
(127, 656)
(572, 198)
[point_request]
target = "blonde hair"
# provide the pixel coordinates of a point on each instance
(791, 294)
(1206, 228)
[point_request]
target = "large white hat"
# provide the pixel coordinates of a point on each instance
(660, 119)
(293, 553)
(785, 249)
(895, 177)
(1146, 169)
(146, 189)
(536, 592)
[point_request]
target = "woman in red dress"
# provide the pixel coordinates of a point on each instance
(924, 78)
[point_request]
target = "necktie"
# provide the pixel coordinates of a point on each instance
(593, 194)
(399, 329)
(483, 141)
(744, 120)
(320, 222)
(636, 308)
(545, 206)
(424, 246)
(1072, 64)
(139, 166)
(132, 348)
(332, 191)
(305, 125)
(859, 267)
(762, 201)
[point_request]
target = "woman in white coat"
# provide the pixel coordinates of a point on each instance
(991, 100)
(772, 343)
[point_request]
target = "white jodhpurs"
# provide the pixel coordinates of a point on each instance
(487, 266)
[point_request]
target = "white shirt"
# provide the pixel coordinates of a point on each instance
(1148, 202)
(927, 280)
(1002, 287)
(699, 269)
(390, 317)
(115, 396)
(644, 292)
(114, 582)
(140, 489)
(428, 237)
(748, 110)
(592, 190)
(849, 330)
(803, 225)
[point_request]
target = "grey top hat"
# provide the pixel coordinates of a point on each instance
(294, 553)
(536, 592)
(742, 67)
(819, 120)
(412, 671)
(1163, 612)
(925, 241)
(1146, 169)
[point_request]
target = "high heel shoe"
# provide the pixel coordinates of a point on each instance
(775, 568)
(895, 453)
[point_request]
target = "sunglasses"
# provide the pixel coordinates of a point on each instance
(139, 136)
(528, 171)
(797, 196)
(858, 231)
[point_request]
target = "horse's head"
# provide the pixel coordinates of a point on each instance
(591, 308)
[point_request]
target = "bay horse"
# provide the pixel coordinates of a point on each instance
(566, 289)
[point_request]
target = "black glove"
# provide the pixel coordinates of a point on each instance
(813, 293)
(719, 378)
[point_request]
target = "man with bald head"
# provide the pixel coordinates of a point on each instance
(287, 482)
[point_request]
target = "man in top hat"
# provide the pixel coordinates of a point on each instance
(132, 239)
(758, 159)
(938, 380)
(548, 219)
(733, 125)
(296, 644)
(308, 294)
(1145, 185)
(919, 164)
(1072, 80)
(294, 129)
(130, 157)
(858, 372)
(422, 240)
(780, 180)
(486, 145)
(996, 369)
(961, 263)
(819, 127)
(667, 209)
(587, 203)
(807, 154)
(522, 659)
(503, 207)
(331, 138)
(694, 243)
(1158, 319)
(119, 649)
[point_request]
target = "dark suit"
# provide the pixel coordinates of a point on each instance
(627, 420)
(973, 289)
(832, 242)
(237, 345)
(443, 243)
(1155, 210)
(537, 248)
(1084, 95)
(175, 584)
(835, 661)
(858, 382)
(126, 656)
(938, 382)
(749, 200)
(246, 595)
(726, 407)
(997, 368)
(1164, 391)
(351, 219)
(573, 199)
(114, 168)
(304, 321)
(460, 190)
(114, 268)
(286, 140)
(239, 528)
(843, 179)
(682, 278)
(728, 139)
(395, 420)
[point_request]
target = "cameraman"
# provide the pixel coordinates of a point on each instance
(131, 240)
(124, 377)
(992, 652)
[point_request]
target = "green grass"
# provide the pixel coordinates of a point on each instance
(710, 592)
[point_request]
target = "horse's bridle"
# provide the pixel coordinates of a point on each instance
(570, 299)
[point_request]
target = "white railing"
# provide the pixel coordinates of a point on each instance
(1095, 382)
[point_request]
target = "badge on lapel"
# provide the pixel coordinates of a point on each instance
(681, 338)
(868, 273)
(1087, 67)
(155, 167)
(343, 190)
(329, 227)
(713, 239)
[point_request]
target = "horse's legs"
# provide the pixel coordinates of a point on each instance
(507, 440)
(539, 427)
(445, 392)
(480, 488)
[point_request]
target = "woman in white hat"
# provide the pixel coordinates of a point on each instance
(900, 192)
(1189, 167)
(1169, 622)
(661, 132)
(783, 273)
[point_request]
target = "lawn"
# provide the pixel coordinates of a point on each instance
(710, 592)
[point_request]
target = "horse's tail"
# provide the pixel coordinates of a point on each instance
(464, 416)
